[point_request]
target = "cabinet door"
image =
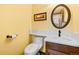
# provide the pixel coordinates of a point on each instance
(53, 52)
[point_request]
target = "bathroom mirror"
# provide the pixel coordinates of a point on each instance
(60, 16)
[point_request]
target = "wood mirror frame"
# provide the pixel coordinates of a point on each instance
(68, 19)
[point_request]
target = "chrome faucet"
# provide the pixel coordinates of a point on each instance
(59, 33)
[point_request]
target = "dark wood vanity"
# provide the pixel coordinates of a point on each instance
(60, 49)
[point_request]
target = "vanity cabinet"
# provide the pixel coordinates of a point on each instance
(61, 49)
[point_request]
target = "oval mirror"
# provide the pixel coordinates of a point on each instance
(60, 16)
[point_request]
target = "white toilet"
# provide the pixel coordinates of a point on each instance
(35, 46)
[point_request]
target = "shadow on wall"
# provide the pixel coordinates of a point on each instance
(7, 40)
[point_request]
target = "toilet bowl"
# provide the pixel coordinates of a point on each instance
(35, 46)
(32, 49)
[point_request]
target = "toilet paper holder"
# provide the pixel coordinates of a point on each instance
(13, 36)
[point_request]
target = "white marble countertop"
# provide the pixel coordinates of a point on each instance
(67, 38)
(62, 40)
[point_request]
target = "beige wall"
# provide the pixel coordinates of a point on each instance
(14, 19)
(47, 25)
(73, 26)
(75, 17)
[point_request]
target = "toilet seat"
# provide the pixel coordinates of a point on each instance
(32, 49)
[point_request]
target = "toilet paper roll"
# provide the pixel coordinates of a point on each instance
(13, 36)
